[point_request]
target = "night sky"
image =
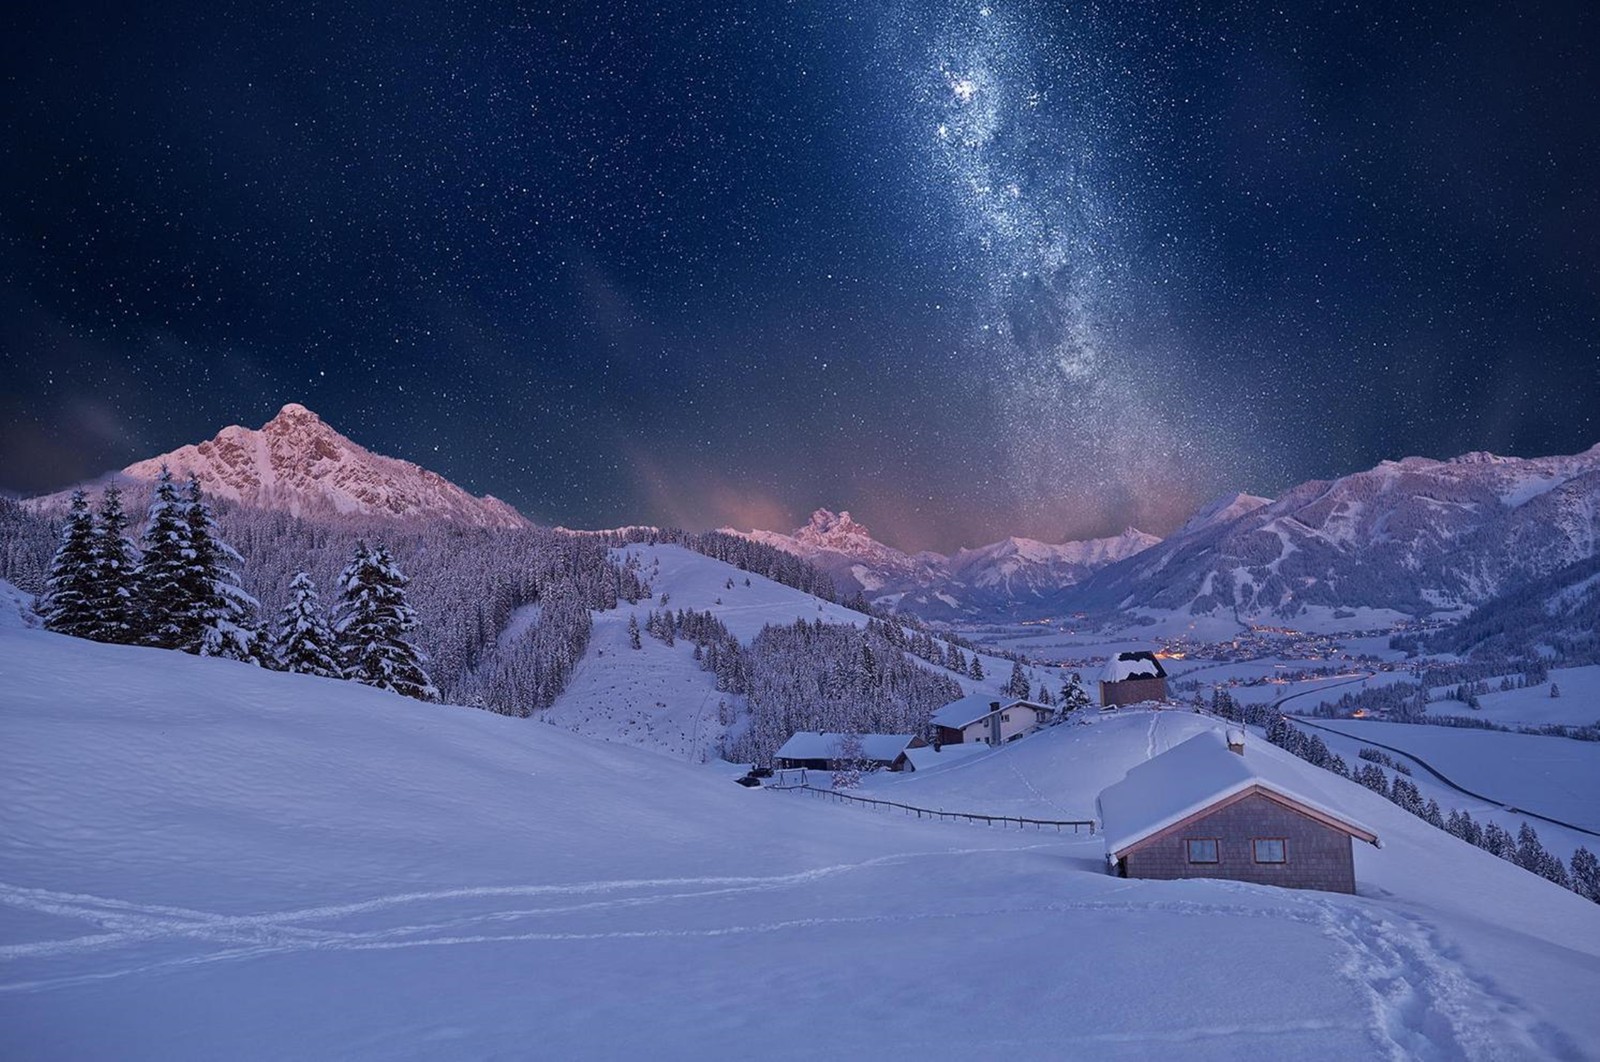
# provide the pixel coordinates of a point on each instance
(966, 270)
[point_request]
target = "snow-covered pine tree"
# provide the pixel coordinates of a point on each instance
(1017, 684)
(114, 600)
(1073, 695)
(1586, 874)
(975, 672)
(1043, 697)
(166, 611)
(374, 619)
(633, 632)
(67, 606)
(848, 767)
(304, 642)
(220, 609)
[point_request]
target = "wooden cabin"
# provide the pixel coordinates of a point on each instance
(979, 717)
(1132, 677)
(1206, 809)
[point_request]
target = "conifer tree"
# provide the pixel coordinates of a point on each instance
(305, 643)
(1017, 684)
(1073, 696)
(633, 633)
(1586, 874)
(68, 603)
(976, 670)
(114, 600)
(166, 612)
(374, 619)
(219, 609)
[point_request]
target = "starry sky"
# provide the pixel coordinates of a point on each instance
(965, 269)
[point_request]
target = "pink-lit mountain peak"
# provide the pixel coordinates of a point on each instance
(299, 464)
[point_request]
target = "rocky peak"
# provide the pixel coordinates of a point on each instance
(830, 530)
(297, 463)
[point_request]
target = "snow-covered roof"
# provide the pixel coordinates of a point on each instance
(1139, 664)
(928, 758)
(816, 745)
(1200, 772)
(975, 706)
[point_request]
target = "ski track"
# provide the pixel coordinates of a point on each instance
(1422, 1003)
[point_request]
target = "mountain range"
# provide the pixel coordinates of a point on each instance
(999, 578)
(1417, 536)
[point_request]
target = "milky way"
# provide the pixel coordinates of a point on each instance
(1023, 144)
(1026, 268)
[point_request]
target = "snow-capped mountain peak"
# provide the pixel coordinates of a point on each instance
(297, 463)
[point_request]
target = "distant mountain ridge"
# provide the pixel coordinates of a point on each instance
(988, 580)
(297, 464)
(1416, 535)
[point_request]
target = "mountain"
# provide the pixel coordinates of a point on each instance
(1416, 535)
(297, 464)
(847, 551)
(989, 580)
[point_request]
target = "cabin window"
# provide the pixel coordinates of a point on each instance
(1202, 849)
(1271, 850)
(1005, 717)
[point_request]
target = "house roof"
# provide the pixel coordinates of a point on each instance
(1137, 664)
(815, 745)
(1193, 776)
(975, 706)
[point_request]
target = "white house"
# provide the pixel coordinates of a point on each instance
(978, 717)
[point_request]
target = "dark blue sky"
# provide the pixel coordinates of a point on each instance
(966, 270)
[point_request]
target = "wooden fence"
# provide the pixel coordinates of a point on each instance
(932, 813)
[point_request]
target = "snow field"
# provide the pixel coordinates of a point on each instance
(1556, 777)
(199, 859)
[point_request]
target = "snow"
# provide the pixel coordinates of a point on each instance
(1578, 705)
(1120, 668)
(1192, 777)
(812, 745)
(199, 859)
(1551, 776)
(657, 696)
(969, 709)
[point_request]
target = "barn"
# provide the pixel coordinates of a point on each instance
(980, 718)
(819, 751)
(1132, 677)
(1203, 809)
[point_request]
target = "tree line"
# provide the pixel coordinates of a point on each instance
(179, 588)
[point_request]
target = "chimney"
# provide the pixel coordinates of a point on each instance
(994, 706)
(1236, 740)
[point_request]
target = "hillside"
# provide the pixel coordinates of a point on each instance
(199, 859)
(657, 696)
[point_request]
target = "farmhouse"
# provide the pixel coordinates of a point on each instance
(978, 717)
(819, 751)
(1203, 809)
(1132, 677)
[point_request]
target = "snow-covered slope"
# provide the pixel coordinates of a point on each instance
(990, 580)
(656, 696)
(199, 859)
(1411, 535)
(299, 465)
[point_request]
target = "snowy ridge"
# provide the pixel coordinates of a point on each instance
(1416, 535)
(987, 580)
(297, 464)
